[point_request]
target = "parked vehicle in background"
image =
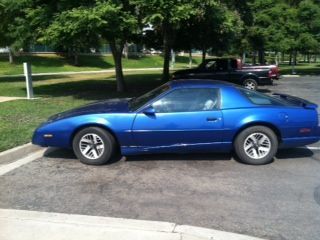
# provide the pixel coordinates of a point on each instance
(275, 70)
(185, 116)
(231, 70)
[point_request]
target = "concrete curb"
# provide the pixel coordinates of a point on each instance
(27, 225)
(18, 153)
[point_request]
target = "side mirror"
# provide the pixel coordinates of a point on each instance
(149, 111)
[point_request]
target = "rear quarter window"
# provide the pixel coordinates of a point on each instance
(260, 98)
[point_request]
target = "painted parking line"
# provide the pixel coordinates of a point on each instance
(14, 165)
(313, 148)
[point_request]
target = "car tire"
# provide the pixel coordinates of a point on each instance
(250, 84)
(94, 146)
(256, 145)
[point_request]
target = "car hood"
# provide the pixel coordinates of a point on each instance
(116, 105)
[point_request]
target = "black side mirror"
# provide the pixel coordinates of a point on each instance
(149, 111)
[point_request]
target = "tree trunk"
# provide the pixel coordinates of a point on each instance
(308, 57)
(190, 58)
(295, 53)
(166, 52)
(10, 55)
(254, 58)
(116, 50)
(261, 56)
(282, 57)
(204, 52)
(75, 58)
(290, 58)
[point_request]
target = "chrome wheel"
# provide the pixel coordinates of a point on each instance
(91, 146)
(257, 145)
(250, 85)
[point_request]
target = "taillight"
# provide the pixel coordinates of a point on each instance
(270, 73)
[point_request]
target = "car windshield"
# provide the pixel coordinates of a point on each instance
(138, 102)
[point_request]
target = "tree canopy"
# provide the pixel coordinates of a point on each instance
(219, 27)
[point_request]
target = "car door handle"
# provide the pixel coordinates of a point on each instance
(213, 119)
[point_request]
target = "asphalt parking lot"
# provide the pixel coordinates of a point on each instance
(276, 201)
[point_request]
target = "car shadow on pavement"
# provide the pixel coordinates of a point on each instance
(182, 157)
(294, 153)
(67, 154)
(52, 152)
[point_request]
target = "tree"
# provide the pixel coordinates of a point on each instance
(214, 28)
(309, 16)
(74, 30)
(76, 25)
(117, 23)
(10, 36)
(166, 17)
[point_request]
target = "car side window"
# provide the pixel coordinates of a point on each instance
(211, 65)
(222, 65)
(188, 100)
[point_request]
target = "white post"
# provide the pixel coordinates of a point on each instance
(243, 57)
(28, 75)
(173, 58)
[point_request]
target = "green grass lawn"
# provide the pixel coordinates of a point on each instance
(302, 69)
(19, 118)
(56, 63)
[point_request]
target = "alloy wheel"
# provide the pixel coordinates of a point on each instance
(257, 145)
(250, 85)
(91, 146)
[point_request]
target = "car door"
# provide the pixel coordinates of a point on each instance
(216, 69)
(222, 70)
(185, 117)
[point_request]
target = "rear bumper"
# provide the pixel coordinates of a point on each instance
(301, 141)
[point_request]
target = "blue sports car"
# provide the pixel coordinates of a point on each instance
(185, 116)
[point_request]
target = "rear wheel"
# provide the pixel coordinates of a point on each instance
(250, 84)
(94, 146)
(256, 145)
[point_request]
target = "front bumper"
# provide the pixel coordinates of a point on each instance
(38, 139)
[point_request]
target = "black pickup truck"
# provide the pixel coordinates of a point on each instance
(232, 70)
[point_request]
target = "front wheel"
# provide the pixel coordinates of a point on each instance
(250, 84)
(256, 145)
(94, 146)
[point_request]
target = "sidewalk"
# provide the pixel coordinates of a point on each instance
(86, 72)
(30, 225)
(6, 99)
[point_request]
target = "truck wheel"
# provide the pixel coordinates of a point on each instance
(256, 145)
(250, 84)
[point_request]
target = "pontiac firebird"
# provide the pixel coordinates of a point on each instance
(185, 116)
